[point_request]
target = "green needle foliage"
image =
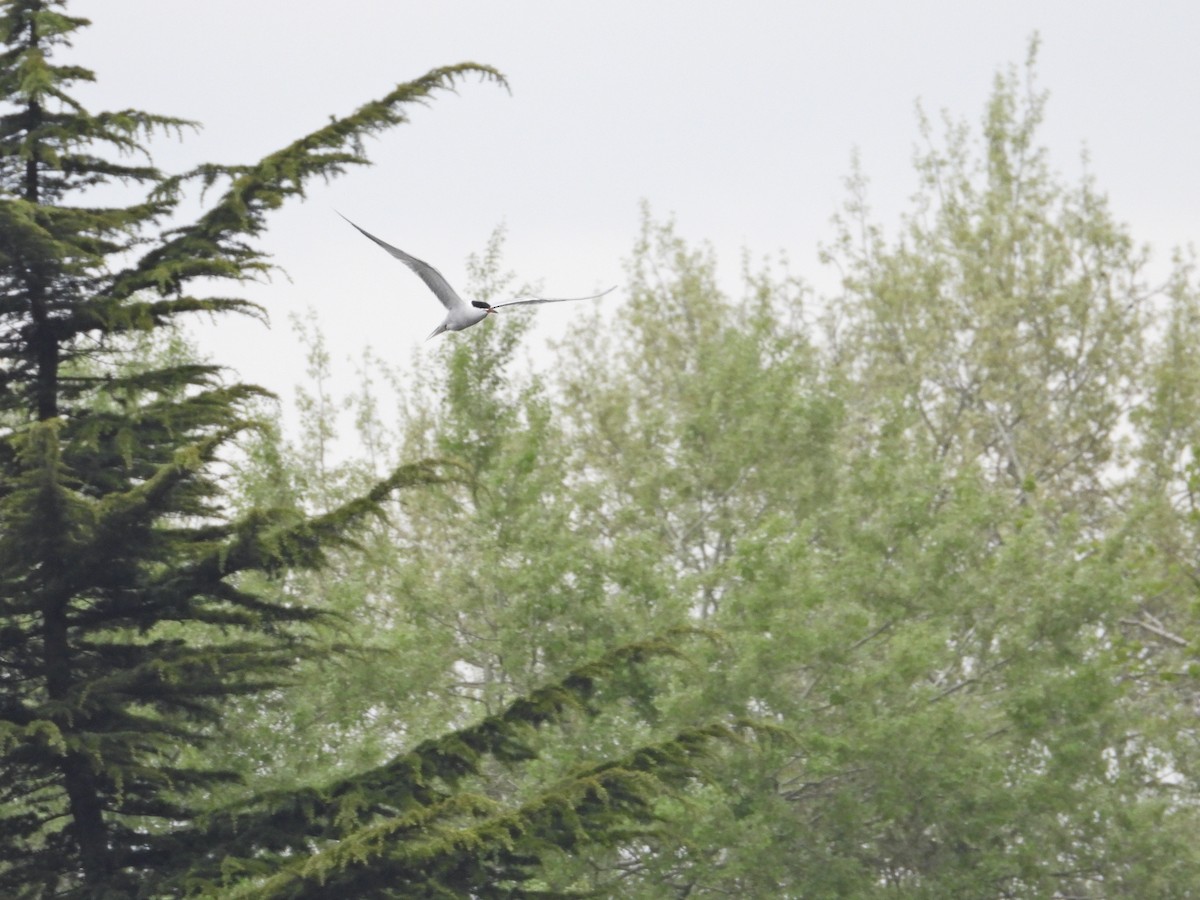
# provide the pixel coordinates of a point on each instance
(425, 825)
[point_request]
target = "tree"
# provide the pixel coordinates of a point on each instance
(1012, 314)
(130, 614)
(926, 536)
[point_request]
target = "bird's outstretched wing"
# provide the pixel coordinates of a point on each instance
(533, 300)
(427, 273)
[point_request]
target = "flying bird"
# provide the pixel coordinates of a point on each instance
(459, 314)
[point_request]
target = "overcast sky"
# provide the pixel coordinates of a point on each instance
(737, 119)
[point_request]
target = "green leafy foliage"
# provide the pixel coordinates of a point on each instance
(942, 524)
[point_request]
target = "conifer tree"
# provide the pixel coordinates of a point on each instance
(114, 530)
(125, 617)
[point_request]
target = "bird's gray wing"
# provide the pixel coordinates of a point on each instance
(427, 273)
(532, 300)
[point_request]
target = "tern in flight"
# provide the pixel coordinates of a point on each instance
(459, 314)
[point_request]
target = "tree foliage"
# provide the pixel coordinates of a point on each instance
(889, 593)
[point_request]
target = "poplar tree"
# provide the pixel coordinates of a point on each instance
(127, 619)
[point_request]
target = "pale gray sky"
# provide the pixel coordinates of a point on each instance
(737, 119)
